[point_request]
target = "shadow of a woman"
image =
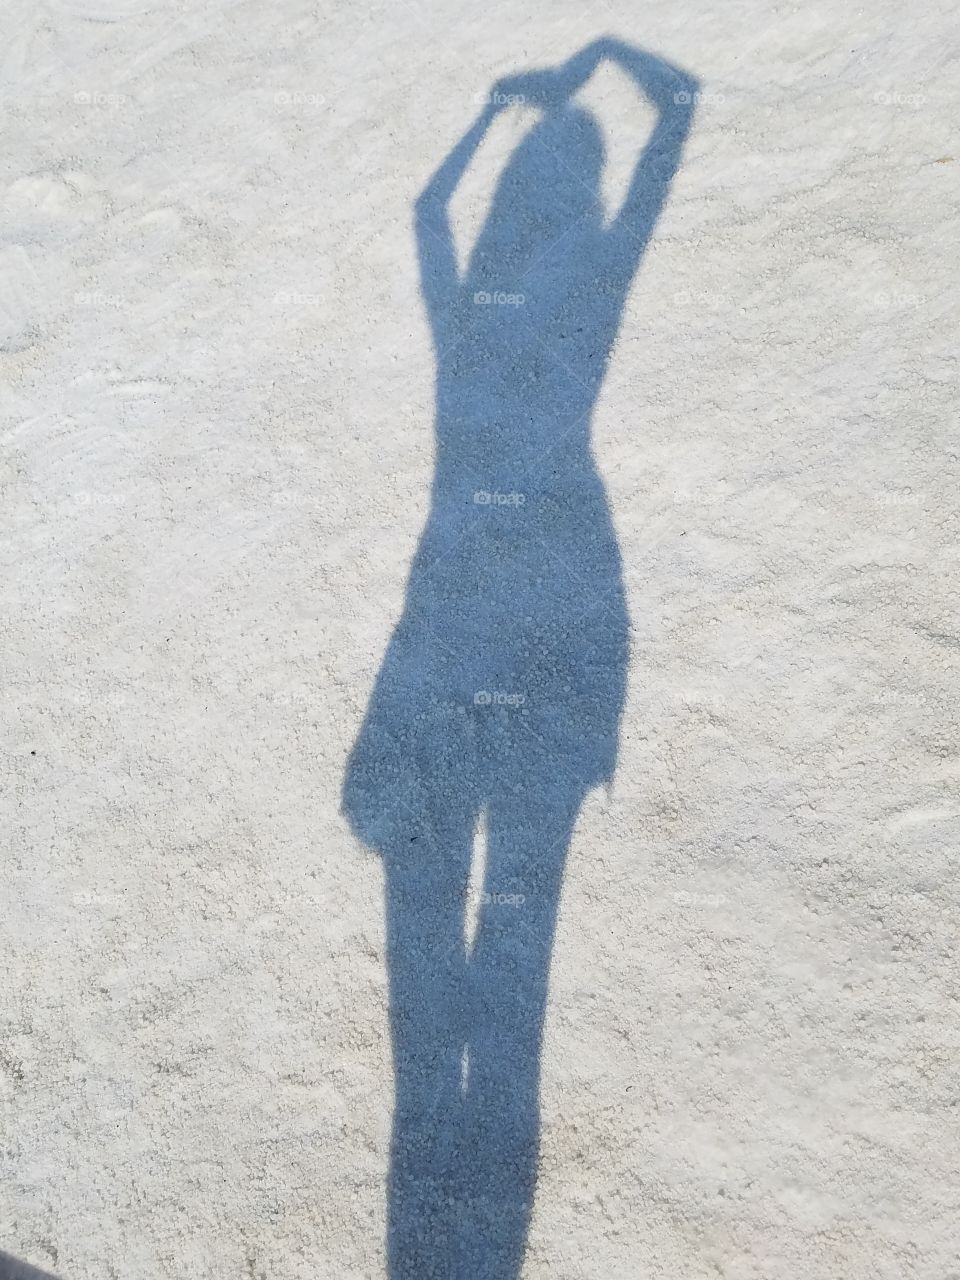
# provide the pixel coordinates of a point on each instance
(499, 700)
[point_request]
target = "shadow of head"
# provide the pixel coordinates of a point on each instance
(549, 188)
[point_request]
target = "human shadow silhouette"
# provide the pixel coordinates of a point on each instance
(498, 703)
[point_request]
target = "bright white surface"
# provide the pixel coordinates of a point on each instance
(216, 465)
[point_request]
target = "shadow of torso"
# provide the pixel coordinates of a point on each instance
(515, 591)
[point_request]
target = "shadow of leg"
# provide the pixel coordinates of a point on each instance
(529, 833)
(425, 897)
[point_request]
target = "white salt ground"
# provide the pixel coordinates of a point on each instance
(217, 456)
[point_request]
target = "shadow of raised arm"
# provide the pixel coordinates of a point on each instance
(439, 277)
(669, 90)
(672, 93)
